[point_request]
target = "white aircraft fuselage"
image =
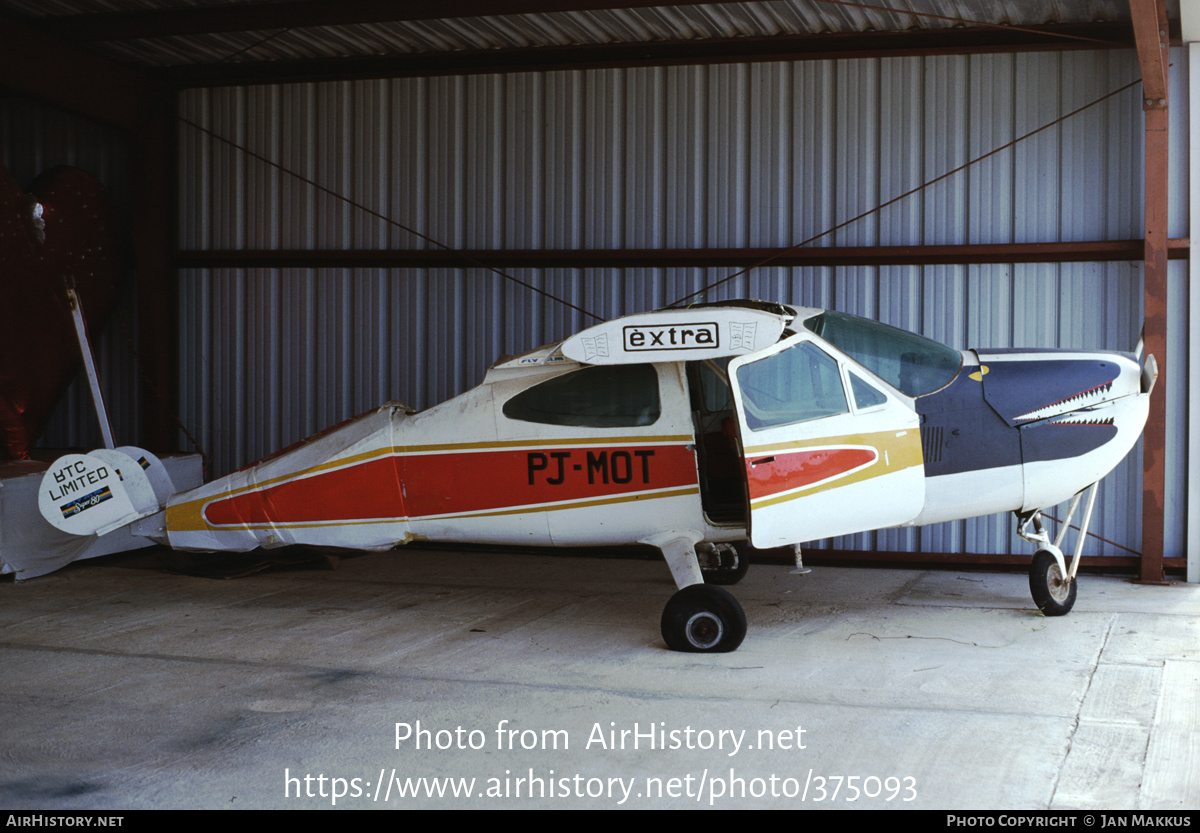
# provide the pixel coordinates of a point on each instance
(688, 428)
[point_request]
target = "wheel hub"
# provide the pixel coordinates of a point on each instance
(704, 630)
(1058, 586)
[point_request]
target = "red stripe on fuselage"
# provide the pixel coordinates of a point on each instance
(446, 483)
(797, 469)
(364, 491)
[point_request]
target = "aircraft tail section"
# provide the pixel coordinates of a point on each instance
(341, 488)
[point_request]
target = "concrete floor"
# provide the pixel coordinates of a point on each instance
(127, 687)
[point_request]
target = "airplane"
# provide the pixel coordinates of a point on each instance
(700, 431)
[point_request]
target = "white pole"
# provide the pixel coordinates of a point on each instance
(89, 363)
(1191, 13)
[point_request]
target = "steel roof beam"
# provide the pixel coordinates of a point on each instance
(1070, 252)
(250, 17)
(661, 53)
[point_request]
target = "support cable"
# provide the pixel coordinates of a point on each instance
(781, 252)
(380, 216)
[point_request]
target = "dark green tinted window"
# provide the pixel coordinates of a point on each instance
(907, 361)
(614, 396)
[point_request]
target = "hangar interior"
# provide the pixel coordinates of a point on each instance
(312, 190)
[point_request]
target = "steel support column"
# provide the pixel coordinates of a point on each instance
(1192, 34)
(1155, 289)
(1150, 31)
(153, 255)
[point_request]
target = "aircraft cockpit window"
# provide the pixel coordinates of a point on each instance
(796, 385)
(610, 396)
(911, 363)
(865, 396)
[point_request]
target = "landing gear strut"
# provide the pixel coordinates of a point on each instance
(700, 618)
(1051, 583)
(723, 563)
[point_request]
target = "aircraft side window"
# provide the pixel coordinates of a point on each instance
(865, 396)
(796, 385)
(610, 396)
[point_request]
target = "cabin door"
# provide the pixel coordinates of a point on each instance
(826, 449)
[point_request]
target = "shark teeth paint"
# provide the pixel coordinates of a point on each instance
(1081, 418)
(1091, 396)
(1025, 387)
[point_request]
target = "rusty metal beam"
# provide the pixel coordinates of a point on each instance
(270, 16)
(244, 17)
(1155, 276)
(660, 53)
(1073, 252)
(42, 66)
(1150, 29)
(1098, 563)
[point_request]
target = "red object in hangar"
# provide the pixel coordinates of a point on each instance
(62, 230)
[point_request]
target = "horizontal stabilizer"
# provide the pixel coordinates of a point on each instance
(92, 494)
(83, 494)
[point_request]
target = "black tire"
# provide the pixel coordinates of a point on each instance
(1051, 593)
(730, 575)
(702, 618)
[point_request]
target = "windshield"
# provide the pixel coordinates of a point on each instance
(911, 363)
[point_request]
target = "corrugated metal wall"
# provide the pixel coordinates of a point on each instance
(679, 157)
(35, 137)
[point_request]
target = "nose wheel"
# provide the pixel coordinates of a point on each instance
(1051, 582)
(1053, 592)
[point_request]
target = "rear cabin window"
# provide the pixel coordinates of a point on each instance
(611, 396)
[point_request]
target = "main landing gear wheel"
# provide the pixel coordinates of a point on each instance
(1053, 593)
(732, 562)
(702, 618)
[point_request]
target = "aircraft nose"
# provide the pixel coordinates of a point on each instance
(1024, 387)
(1070, 441)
